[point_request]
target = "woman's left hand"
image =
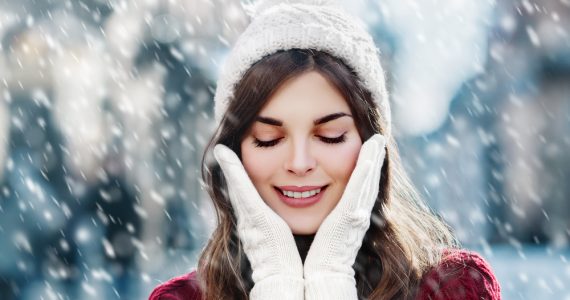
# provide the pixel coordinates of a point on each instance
(328, 267)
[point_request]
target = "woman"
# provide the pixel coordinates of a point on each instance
(310, 194)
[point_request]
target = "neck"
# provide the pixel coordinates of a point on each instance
(303, 244)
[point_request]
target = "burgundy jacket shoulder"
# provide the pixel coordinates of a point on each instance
(185, 287)
(461, 274)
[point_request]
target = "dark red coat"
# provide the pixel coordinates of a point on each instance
(460, 275)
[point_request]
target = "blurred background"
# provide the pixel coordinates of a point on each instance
(106, 105)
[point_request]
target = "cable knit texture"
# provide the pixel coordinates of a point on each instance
(268, 242)
(331, 287)
(460, 275)
(317, 24)
(278, 287)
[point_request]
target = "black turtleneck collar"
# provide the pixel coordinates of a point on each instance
(303, 244)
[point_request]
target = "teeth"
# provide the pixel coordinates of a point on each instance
(298, 195)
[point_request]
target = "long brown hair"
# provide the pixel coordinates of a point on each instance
(404, 238)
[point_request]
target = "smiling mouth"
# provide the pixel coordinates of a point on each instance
(301, 195)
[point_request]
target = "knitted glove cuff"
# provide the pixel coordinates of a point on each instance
(278, 287)
(330, 287)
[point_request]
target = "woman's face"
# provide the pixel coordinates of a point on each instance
(303, 140)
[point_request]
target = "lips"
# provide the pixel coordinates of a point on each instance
(305, 188)
(300, 202)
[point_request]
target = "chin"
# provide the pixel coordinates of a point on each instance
(304, 230)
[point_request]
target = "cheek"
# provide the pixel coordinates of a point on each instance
(340, 162)
(260, 165)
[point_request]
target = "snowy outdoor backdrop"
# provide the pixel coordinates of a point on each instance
(106, 105)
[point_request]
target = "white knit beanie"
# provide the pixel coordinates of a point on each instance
(304, 24)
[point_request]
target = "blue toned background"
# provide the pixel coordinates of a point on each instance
(106, 105)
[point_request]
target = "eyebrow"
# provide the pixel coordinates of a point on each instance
(319, 121)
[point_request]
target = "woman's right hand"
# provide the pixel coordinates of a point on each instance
(267, 239)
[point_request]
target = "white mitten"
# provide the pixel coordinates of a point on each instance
(328, 266)
(267, 239)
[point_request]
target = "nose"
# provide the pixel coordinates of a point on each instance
(301, 161)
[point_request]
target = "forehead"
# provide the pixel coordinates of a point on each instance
(309, 95)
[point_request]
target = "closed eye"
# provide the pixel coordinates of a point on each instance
(324, 139)
(259, 143)
(336, 140)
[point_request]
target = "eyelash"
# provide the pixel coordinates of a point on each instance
(336, 140)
